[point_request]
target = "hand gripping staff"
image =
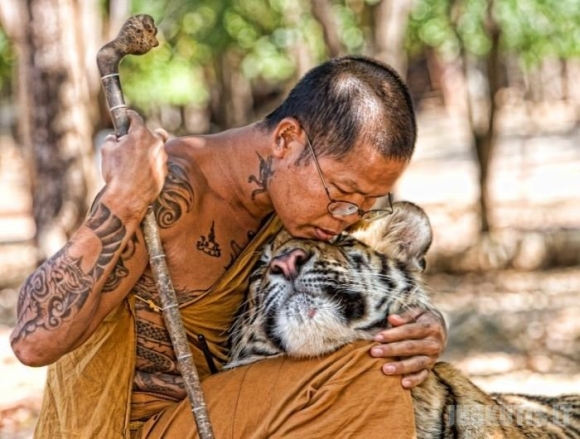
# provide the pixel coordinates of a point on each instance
(137, 37)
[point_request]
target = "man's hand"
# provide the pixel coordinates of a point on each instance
(134, 166)
(419, 337)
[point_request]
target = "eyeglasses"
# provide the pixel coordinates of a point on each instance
(338, 208)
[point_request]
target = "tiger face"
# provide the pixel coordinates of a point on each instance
(307, 298)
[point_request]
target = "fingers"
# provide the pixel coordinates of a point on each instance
(414, 370)
(136, 123)
(162, 134)
(134, 166)
(408, 316)
(411, 331)
(414, 379)
(408, 348)
(417, 338)
(135, 120)
(412, 326)
(410, 367)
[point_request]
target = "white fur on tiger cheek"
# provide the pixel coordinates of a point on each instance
(310, 326)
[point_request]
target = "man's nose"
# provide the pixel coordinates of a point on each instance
(289, 263)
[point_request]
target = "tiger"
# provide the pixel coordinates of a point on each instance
(307, 298)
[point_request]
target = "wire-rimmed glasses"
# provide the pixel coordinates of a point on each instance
(339, 208)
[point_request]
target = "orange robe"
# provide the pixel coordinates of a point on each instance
(88, 391)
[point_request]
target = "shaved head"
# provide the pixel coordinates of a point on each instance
(349, 100)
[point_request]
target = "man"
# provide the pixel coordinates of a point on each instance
(92, 311)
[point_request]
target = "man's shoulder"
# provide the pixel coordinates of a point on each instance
(183, 147)
(185, 155)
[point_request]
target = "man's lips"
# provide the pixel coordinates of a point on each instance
(324, 235)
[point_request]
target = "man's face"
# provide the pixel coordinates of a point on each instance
(301, 201)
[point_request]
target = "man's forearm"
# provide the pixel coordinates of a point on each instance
(58, 301)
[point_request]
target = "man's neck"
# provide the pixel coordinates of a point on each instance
(243, 168)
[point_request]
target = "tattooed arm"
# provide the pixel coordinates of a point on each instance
(64, 300)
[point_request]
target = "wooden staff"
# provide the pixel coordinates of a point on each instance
(137, 37)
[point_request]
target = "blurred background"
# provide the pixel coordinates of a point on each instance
(496, 85)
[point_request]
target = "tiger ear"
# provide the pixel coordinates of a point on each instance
(404, 235)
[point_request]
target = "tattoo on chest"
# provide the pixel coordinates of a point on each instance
(145, 291)
(154, 350)
(266, 174)
(175, 199)
(209, 245)
(237, 249)
(60, 287)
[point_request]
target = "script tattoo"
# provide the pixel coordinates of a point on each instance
(176, 197)
(265, 174)
(59, 287)
(209, 245)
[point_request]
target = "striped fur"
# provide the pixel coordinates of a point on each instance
(342, 291)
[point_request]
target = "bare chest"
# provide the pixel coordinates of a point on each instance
(197, 256)
(200, 253)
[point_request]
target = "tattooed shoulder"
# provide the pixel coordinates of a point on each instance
(176, 197)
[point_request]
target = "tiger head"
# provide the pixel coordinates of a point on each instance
(308, 297)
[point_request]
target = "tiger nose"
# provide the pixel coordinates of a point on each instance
(289, 263)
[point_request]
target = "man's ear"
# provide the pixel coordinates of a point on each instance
(285, 133)
(404, 235)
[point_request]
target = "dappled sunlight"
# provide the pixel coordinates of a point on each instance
(513, 323)
(511, 295)
(20, 395)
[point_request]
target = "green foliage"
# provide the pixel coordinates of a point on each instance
(430, 25)
(163, 76)
(261, 35)
(349, 27)
(7, 58)
(194, 36)
(531, 30)
(537, 29)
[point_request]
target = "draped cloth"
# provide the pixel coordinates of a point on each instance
(89, 394)
(339, 396)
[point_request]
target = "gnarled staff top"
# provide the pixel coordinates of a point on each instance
(136, 37)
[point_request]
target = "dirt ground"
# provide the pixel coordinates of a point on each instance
(512, 311)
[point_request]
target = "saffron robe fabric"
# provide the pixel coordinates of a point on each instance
(88, 393)
(338, 396)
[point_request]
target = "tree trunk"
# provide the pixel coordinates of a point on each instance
(322, 11)
(391, 17)
(486, 139)
(483, 125)
(231, 95)
(54, 116)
